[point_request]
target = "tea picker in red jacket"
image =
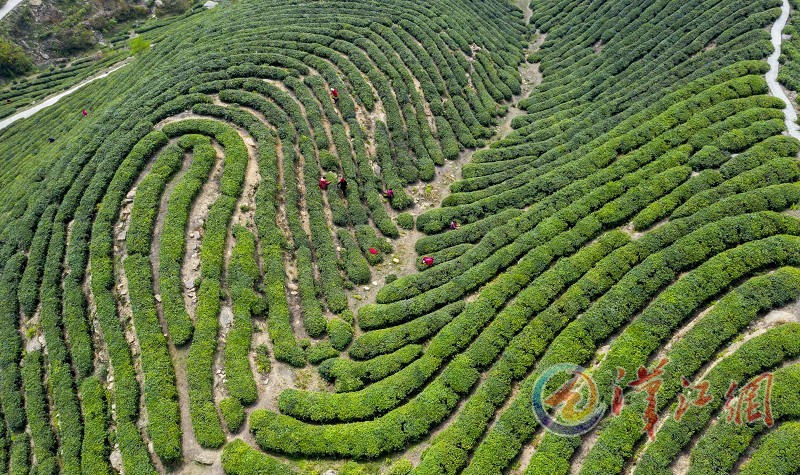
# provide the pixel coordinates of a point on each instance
(335, 95)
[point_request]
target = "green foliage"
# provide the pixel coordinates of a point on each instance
(340, 332)
(95, 450)
(232, 413)
(13, 61)
(238, 458)
(405, 220)
(353, 262)
(243, 274)
(139, 45)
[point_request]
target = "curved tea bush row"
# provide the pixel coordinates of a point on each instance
(726, 318)
(126, 389)
(725, 442)
(387, 340)
(10, 351)
(95, 451)
(238, 458)
(776, 453)
(349, 375)
(29, 285)
(243, 274)
(173, 235)
(36, 409)
(160, 392)
(762, 353)
(499, 446)
(205, 420)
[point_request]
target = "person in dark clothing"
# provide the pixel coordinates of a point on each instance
(51, 139)
(343, 185)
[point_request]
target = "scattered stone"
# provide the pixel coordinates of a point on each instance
(209, 5)
(204, 459)
(158, 298)
(121, 236)
(374, 282)
(293, 292)
(366, 288)
(188, 283)
(396, 260)
(116, 459)
(226, 317)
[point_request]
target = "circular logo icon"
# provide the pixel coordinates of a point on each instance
(576, 404)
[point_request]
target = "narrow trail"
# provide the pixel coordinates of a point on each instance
(774, 68)
(54, 99)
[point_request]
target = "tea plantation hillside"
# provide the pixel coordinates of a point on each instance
(371, 237)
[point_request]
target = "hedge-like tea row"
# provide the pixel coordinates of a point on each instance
(354, 263)
(349, 375)
(387, 340)
(205, 420)
(238, 458)
(126, 389)
(232, 413)
(36, 409)
(160, 392)
(469, 233)
(95, 451)
(762, 353)
(725, 442)
(10, 391)
(726, 318)
(631, 292)
(173, 235)
(776, 453)
(242, 277)
(29, 285)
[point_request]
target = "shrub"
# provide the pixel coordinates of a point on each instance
(340, 333)
(232, 413)
(238, 458)
(405, 221)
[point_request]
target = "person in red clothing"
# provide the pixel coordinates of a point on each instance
(373, 251)
(335, 95)
(84, 112)
(323, 183)
(427, 260)
(389, 194)
(454, 224)
(343, 185)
